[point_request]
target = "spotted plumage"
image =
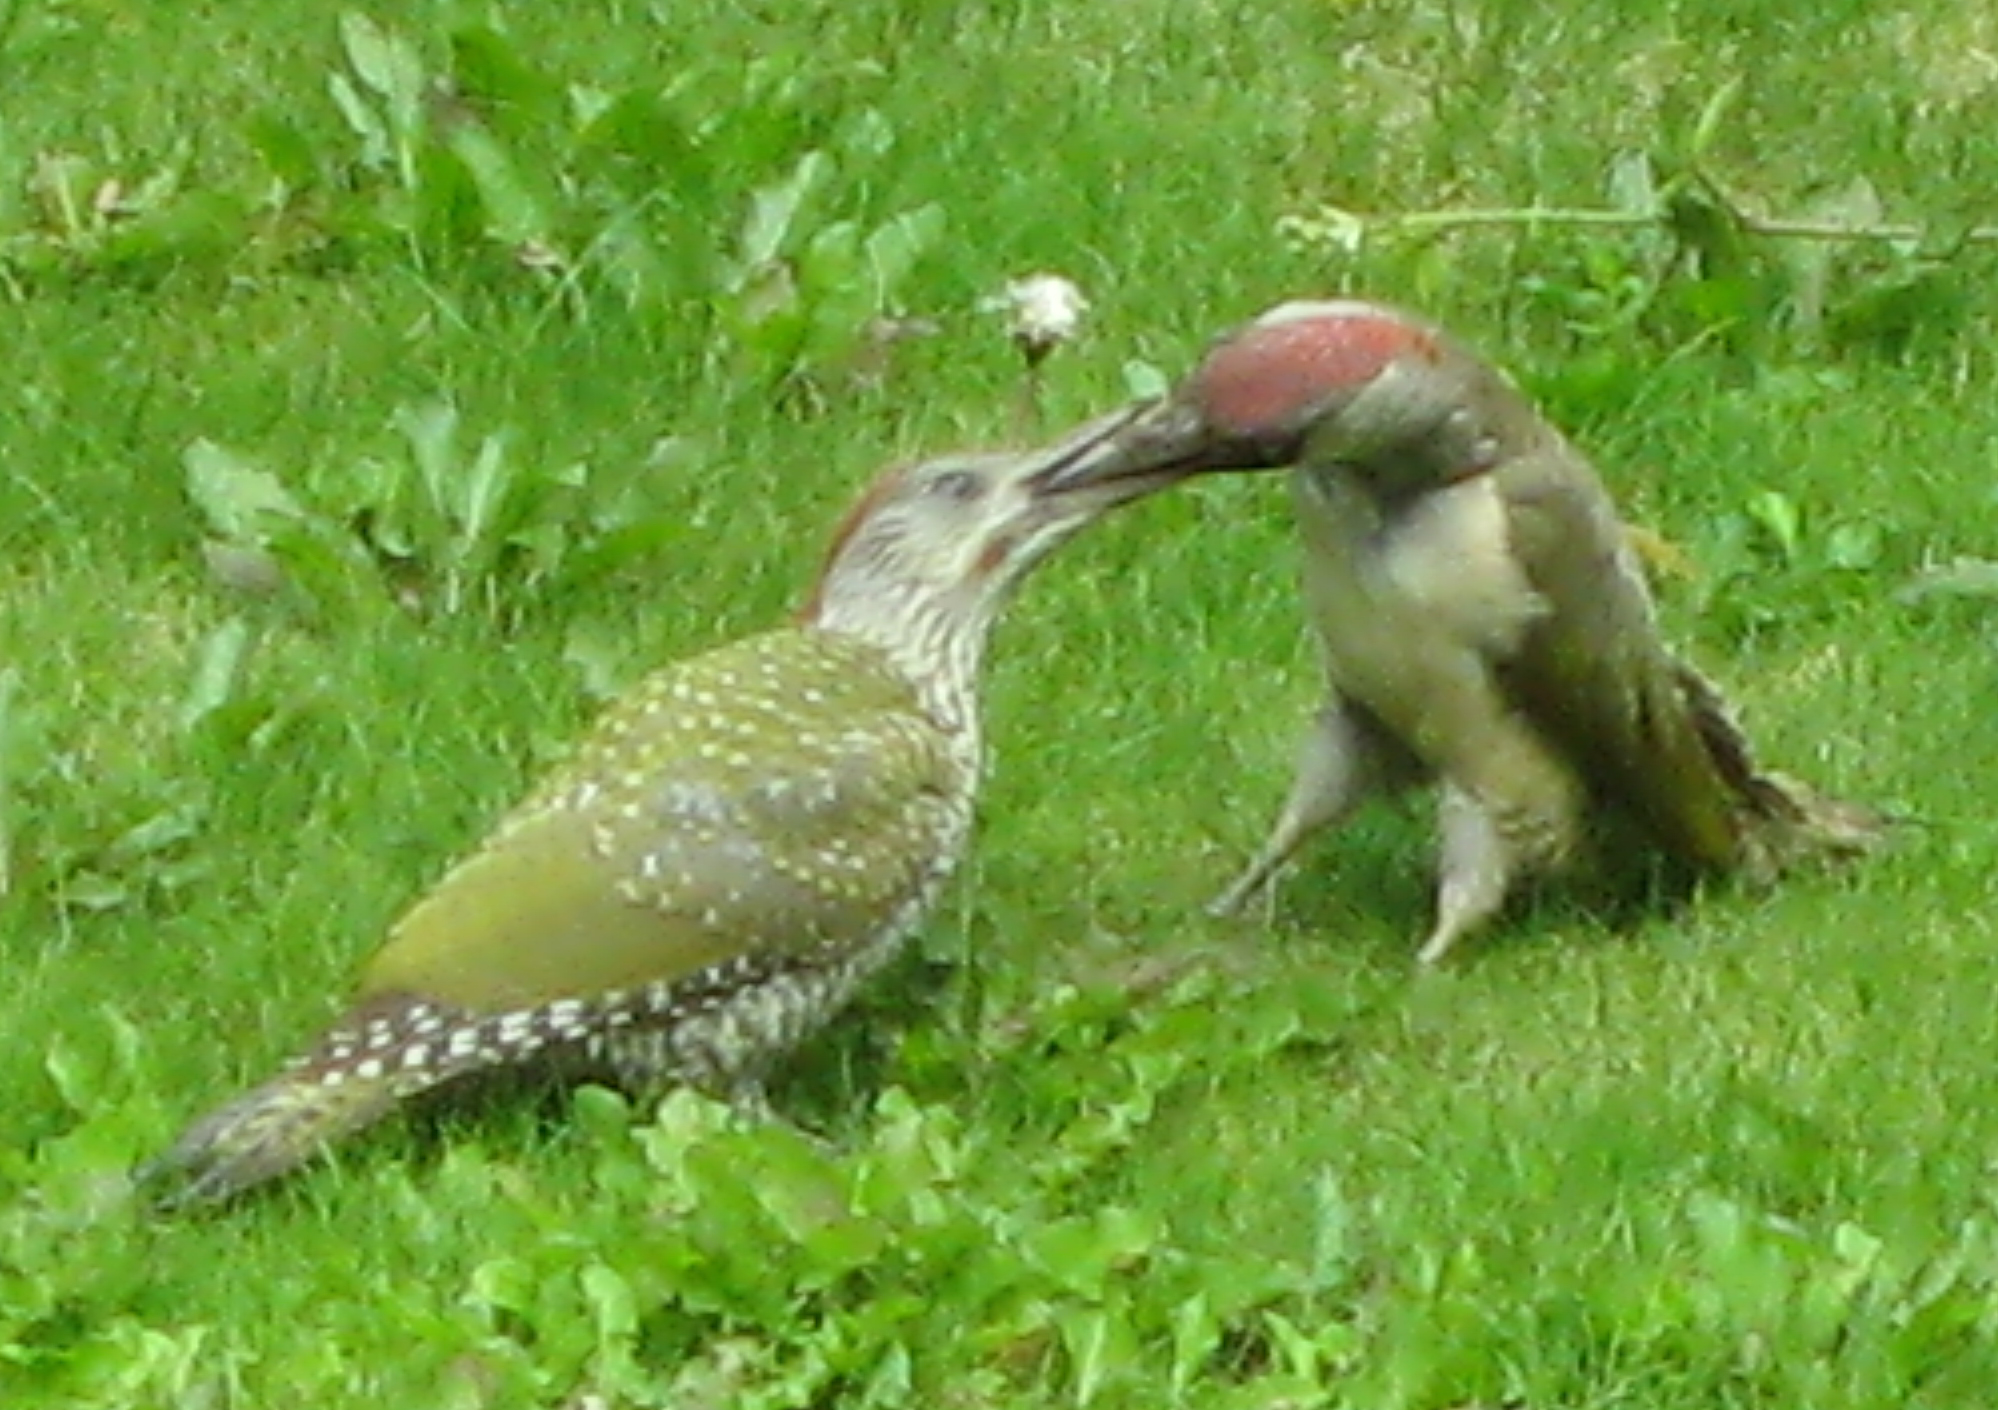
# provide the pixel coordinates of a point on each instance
(739, 843)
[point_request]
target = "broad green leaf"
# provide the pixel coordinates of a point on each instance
(217, 669)
(77, 1072)
(387, 64)
(161, 832)
(600, 1112)
(285, 148)
(1082, 1252)
(1708, 125)
(479, 500)
(770, 323)
(362, 120)
(367, 49)
(587, 105)
(633, 263)
(1633, 183)
(89, 890)
(506, 1283)
(837, 295)
(1856, 1248)
(1856, 204)
(1923, 306)
(63, 183)
(1854, 547)
(1143, 381)
(1332, 1232)
(1298, 1351)
(1101, 1350)
(892, 1381)
(866, 133)
(613, 1306)
(1703, 221)
(202, 228)
(1779, 517)
(644, 146)
(248, 569)
(330, 568)
(441, 206)
(488, 69)
(542, 547)
(894, 248)
(613, 551)
(774, 210)
(830, 263)
(515, 213)
(431, 428)
(1196, 1332)
(239, 501)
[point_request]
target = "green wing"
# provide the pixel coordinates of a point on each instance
(783, 793)
(1594, 673)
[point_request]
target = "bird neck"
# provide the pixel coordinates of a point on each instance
(934, 642)
(1419, 427)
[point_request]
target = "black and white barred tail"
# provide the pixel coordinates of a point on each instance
(717, 1029)
(1788, 821)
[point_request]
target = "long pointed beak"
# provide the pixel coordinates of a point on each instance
(1092, 452)
(1165, 440)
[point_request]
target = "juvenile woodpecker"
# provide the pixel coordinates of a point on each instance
(740, 843)
(1482, 620)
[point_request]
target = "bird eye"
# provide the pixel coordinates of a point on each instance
(959, 486)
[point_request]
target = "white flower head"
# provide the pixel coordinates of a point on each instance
(1043, 311)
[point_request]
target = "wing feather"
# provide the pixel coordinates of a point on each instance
(784, 793)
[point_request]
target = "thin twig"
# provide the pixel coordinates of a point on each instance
(1584, 216)
(1514, 215)
(1832, 230)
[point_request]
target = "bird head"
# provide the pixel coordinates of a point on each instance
(940, 544)
(1314, 384)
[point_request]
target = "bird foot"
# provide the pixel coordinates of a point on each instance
(1226, 906)
(1437, 947)
(749, 1099)
(1256, 881)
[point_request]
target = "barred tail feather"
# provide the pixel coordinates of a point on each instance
(1801, 825)
(1725, 739)
(386, 1051)
(711, 1027)
(260, 1135)
(1788, 821)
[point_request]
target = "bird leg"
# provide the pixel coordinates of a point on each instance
(1474, 872)
(1344, 759)
(749, 1099)
(1518, 812)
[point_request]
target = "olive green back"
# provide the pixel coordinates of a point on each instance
(782, 793)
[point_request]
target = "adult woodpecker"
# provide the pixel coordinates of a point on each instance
(742, 841)
(1483, 622)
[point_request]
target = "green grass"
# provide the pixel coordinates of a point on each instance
(1735, 1155)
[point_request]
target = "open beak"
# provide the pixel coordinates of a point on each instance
(1148, 446)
